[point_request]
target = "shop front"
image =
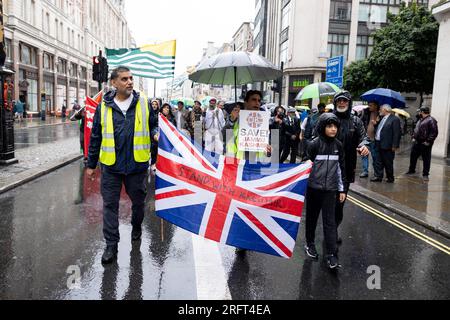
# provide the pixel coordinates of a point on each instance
(72, 94)
(49, 90)
(28, 90)
(82, 94)
(61, 94)
(296, 84)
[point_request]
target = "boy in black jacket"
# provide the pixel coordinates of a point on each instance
(326, 179)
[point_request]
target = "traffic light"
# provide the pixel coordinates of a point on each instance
(276, 85)
(96, 68)
(105, 69)
(244, 91)
(100, 69)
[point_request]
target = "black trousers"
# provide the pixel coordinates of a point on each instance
(325, 201)
(339, 212)
(385, 162)
(82, 141)
(154, 152)
(111, 186)
(291, 147)
(420, 150)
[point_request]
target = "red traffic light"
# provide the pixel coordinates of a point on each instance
(96, 60)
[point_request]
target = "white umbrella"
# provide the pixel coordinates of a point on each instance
(269, 106)
(235, 68)
(360, 107)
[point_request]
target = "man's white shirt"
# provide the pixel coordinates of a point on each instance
(124, 105)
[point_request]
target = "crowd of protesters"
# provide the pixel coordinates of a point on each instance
(331, 139)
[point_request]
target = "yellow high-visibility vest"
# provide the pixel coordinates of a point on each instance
(141, 141)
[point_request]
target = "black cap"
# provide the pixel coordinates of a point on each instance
(342, 95)
(425, 110)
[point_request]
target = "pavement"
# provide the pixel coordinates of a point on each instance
(425, 203)
(41, 153)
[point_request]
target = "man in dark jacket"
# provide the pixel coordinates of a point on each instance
(79, 115)
(292, 135)
(425, 133)
(387, 142)
(277, 122)
(120, 140)
(154, 113)
(311, 122)
(354, 139)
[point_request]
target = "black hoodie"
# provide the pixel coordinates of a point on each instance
(328, 172)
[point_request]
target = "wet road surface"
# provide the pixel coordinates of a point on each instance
(51, 231)
(28, 137)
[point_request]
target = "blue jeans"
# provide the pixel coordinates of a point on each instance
(365, 164)
(365, 160)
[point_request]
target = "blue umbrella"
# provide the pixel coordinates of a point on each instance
(385, 96)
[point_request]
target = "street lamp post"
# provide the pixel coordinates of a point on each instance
(6, 105)
(6, 118)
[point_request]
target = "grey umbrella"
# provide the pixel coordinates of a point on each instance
(235, 68)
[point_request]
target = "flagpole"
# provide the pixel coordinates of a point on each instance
(171, 88)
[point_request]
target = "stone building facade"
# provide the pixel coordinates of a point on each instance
(50, 45)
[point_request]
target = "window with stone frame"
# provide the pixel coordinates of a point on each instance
(27, 54)
(338, 45)
(48, 61)
(364, 47)
(341, 10)
(62, 66)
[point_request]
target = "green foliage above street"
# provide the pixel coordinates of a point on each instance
(358, 78)
(403, 57)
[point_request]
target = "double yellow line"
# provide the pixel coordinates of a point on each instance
(440, 246)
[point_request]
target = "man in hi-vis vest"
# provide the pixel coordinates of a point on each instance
(121, 142)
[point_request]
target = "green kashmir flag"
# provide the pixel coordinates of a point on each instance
(155, 61)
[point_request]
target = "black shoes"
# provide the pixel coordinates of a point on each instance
(136, 234)
(311, 251)
(109, 254)
(426, 178)
(332, 262)
(410, 173)
(375, 179)
(390, 180)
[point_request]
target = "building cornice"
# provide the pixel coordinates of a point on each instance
(304, 70)
(43, 45)
(440, 11)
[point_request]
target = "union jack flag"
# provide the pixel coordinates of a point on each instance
(250, 206)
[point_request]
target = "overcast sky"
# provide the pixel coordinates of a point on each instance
(191, 22)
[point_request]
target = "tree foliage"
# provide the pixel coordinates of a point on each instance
(358, 78)
(404, 54)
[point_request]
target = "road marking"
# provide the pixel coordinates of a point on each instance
(210, 274)
(438, 245)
